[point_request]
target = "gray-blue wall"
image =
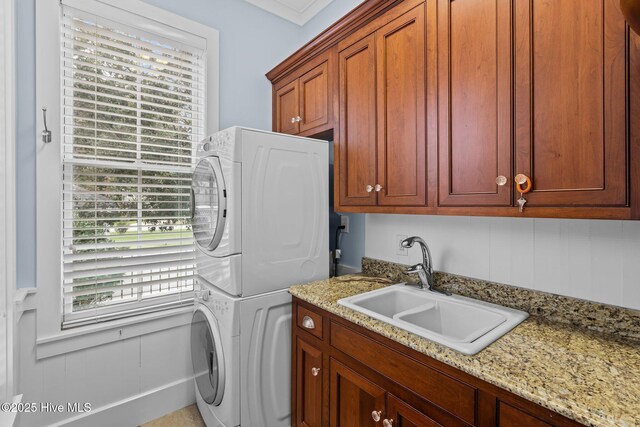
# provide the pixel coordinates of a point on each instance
(252, 41)
(327, 16)
(352, 244)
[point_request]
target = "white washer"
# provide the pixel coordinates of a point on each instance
(240, 348)
(261, 210)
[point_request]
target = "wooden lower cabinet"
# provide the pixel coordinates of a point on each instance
(355, 401)
(399, 413)
(509, 416)
(352, 377)
(309, 374)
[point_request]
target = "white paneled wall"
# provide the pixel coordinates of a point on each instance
(589, 259)
(126, 382)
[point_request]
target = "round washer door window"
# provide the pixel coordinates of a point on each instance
(209, 203)
(206, 356)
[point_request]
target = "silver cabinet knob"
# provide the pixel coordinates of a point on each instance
(315, 371)
(520, 179)
(369, 188)
(378, 187)
(501, 180)
(298, 119)
(308, 322)
(376, 415)
(293, 119)
(387, 423)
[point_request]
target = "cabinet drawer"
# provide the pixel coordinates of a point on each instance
(451, 395)
(310, 321)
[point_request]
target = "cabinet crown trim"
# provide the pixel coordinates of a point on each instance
(361, 14)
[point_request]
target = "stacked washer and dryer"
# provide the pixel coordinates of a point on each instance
(260, 223)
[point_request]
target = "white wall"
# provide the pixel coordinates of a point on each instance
(589, 259)
(127, 382)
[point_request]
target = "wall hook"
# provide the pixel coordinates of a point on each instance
(46, 133)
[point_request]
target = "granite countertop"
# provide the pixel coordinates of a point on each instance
(592, 378)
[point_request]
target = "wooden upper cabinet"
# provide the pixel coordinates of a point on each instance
(357, 139)
(401, 109)
(314, 98)
(433, 103)
(304, 105)
(287, 108)
(382, 140)
(474, 102)
(354, 398)
(570, 101)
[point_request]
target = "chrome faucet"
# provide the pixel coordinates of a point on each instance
(424, 270)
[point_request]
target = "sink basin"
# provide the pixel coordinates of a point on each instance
(461, 323)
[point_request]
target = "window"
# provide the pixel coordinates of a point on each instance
(132, 109)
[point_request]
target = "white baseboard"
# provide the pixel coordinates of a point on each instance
(138, 409)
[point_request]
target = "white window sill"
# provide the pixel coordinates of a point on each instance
(115, 330)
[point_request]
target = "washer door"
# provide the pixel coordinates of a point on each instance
(208, 203)
(207, 357)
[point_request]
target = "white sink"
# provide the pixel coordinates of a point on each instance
(461, 323)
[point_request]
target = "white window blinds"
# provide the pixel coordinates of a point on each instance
(133, 111)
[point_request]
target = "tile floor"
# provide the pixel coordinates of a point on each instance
(185, 417)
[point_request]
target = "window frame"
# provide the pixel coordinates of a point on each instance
(49, 165)
(8, 191)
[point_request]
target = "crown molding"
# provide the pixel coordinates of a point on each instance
(297, 11)
(361, 14)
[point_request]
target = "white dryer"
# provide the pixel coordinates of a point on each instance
(241, 353)
(260, 210)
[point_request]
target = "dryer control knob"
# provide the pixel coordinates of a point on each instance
(205, 147)
(205, 295)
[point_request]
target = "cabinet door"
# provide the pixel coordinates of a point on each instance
(287, 109)
(309, 371)
(570, 101)
(354, 399)
(314, 98)
(403, 415)
(474, 81)
(357, 161)
(401, 97)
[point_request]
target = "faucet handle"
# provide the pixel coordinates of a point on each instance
(422, 275)
(415, 269)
